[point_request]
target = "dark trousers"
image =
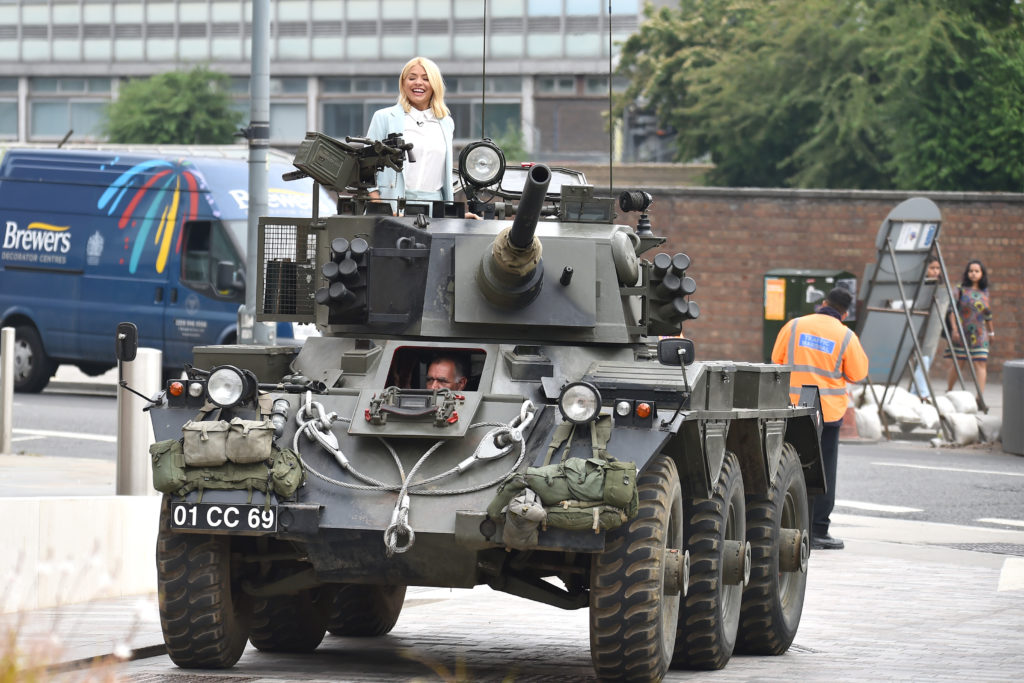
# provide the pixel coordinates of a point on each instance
(823, 504)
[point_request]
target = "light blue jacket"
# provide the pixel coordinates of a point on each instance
(392, 120)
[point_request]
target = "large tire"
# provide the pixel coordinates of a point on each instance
(291, 623)
(365, 611)
(774, 599)
(32, 367)
(203, 612)
(632, 620)
(710, 614)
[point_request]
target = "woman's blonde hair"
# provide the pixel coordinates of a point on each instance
(437, 104)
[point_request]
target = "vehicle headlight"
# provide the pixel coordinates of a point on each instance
(481, 163)
(227, 386)
(580, 402)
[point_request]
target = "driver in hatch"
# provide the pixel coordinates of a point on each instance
(446, 372)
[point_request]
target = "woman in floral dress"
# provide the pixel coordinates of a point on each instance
(973, 304)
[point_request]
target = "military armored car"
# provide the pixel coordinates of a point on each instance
(582, 456)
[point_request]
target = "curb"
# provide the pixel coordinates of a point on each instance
(89, 388)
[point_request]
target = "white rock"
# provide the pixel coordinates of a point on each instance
(989, 426)
(944, 405)
(963, 401)
(929, 416)
(869, 425)
(965, 428)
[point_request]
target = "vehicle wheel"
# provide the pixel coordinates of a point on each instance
(32, 367)
(633, 611)
(365, 611)
(291, 623)
(716, 540)
(94, 369)
(203, 612)
(778, 531)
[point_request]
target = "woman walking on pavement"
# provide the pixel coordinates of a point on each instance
(972, 303)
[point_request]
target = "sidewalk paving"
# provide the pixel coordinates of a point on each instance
(881, 608)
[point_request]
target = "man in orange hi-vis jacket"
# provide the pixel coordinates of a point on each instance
(824, 352)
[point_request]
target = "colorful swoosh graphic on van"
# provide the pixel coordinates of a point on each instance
(154, 207)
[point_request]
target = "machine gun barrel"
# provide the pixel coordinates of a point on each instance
(530, 205)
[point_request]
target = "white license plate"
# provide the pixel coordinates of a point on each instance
(219, 517)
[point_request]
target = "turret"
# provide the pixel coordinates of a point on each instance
(512, 271)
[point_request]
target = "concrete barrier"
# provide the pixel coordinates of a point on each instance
(63, 551)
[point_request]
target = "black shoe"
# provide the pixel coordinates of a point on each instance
(826, 542)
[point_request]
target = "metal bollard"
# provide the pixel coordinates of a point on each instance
(1013, 406)
(134, 430)
(6, 388)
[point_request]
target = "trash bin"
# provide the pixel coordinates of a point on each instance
(790, 293)
(1013, 407)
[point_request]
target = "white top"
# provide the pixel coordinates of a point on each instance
(423, 130)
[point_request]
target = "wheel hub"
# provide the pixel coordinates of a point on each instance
(735, 562)
(794, 549)
(677, 571)
(22, 360)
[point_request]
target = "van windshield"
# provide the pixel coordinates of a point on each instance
(239, 231)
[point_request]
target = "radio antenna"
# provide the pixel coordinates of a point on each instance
(611, 127)
(483, 79)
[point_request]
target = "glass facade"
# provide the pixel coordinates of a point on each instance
(333, 62)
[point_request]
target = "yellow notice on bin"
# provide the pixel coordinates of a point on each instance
(774, 298)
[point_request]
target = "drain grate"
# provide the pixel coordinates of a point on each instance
(997, 548)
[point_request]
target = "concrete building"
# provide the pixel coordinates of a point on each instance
(332, 62)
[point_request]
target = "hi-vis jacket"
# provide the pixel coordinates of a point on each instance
(824, 352)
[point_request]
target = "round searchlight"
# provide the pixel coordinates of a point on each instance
(481, 163)
(227, 386)
(580, 402)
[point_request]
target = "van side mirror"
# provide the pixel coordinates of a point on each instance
(676, 351)
(126, 342)
(228, 277)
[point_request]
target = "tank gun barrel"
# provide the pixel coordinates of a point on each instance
(512, 272)
(530, 205)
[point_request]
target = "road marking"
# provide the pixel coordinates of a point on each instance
(66, 435)
(996, 520)
(1011, 576)
(875, 507)
(949, 469)
(25, 438)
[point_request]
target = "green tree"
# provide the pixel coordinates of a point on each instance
(912, 94)
(177, 107)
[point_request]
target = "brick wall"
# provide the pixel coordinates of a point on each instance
(734, 236)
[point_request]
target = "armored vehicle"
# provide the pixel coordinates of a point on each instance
(579, 455)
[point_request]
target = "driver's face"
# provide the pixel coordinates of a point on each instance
(441, 375)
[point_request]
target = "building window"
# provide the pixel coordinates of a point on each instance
(287, 106)
(598, 85)
(8, 108)
(287, 122)
(556, 85)
(502, 118)
(60, 105)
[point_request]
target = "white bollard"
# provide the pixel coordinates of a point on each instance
(134, 429)
(6, 388)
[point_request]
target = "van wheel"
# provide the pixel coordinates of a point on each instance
(778, 531)
(633, 609)
(365, 611)
(291, 623)
(203, 611)
(94, 369)
(716, 537)
(32, 367)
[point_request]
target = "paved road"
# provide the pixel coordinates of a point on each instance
(900, 603)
